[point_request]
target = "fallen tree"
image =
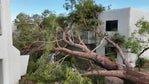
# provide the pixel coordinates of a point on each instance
(35, 41)
(111, 68)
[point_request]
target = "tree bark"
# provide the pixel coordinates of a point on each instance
(103, 61)
(129, 74)
(143, 51)
(125, 61)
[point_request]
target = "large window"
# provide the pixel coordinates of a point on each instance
(112, 25)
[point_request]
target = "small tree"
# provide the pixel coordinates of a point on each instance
(138, 42)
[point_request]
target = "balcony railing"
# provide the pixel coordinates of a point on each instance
(89, 37)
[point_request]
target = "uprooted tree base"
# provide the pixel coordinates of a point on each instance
(111, 68)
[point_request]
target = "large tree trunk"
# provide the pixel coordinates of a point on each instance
(129, 74)
(111, 68)
(104, 62)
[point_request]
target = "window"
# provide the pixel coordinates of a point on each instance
(112, 25)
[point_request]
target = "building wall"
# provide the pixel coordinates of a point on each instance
(11, 63)
(122, 15)
(135, 16)
(17, 65)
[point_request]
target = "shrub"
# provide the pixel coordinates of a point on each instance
(74, 77)
(140, 62)
(55, 72)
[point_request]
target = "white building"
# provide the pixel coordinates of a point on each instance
(12, 65)
(122, 21)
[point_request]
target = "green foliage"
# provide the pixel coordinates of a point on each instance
(49, 73)
(98, 79)
(49, 22)
(46, 72)
(46, 13)
(133, 44)
(119, 39)
(73, 77)
(62, 21)
(22, 18)
(32, 67)
(37, 19)
(110, 52)
(140, 62)
(84, 13)
(56, 72)
(35, 34)
(112, 58)
(143, 26)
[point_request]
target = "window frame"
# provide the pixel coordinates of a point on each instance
(111, 25)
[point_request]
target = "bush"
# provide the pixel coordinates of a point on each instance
(74, 77)
(140, 62)
(32, 67)
(54, 72)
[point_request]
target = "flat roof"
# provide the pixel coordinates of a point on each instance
(129, 9)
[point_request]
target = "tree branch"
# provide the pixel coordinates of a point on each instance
(113, 68)
(103, 61)
(126, 74)
(119, 51)
(114, 73)
(143, 51)
(70, 42)
(101, 42)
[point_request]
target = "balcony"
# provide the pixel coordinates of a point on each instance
(88, 37)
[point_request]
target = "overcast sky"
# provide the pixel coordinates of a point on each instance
(37, 6)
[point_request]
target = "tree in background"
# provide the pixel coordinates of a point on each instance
(84, 14)
(138, 42)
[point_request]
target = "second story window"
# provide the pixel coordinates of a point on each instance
(112, 25)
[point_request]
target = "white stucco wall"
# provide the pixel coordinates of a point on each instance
(17, 65)
(135, 16)
(24, 63)
(12, 65)
(122, 15)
